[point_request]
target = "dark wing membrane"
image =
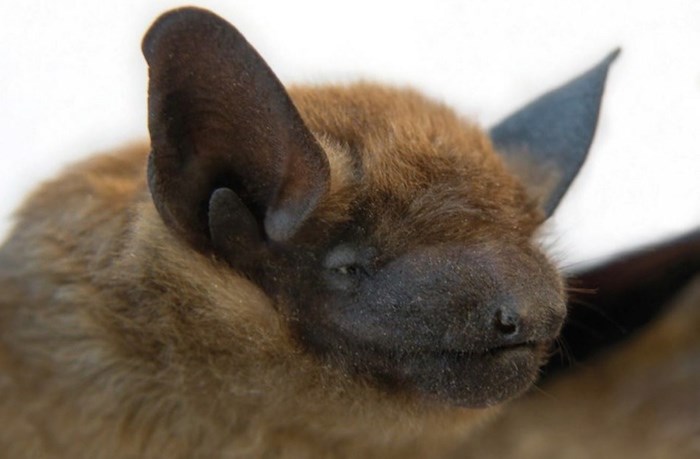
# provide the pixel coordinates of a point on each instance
(612, 301)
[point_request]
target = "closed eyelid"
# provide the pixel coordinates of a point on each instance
(342, 255)
(347, 254)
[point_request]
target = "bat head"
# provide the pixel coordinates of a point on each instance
(391, 236)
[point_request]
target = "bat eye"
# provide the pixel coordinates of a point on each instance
(346, 260)
(346, 265)
(349, 270)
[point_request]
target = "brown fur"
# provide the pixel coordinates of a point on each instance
(425, 175)
(119, 340)
(436, 167)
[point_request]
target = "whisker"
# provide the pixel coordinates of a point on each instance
(566, 355)
(543, 392)
(581, 290)
(597, 310)
(583, 327)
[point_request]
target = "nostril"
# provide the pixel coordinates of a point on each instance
(507, 322)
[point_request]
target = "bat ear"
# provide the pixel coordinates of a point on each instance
(547, 140)
(231, 161)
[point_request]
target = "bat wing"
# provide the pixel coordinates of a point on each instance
(609, 303)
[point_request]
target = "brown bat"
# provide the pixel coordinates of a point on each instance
(337, 271)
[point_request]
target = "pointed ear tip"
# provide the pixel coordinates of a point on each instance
(612, 56)
(165, 22)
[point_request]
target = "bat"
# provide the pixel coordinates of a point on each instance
(303, 272)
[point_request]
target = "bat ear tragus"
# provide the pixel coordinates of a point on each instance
(229, 151)
(546, 141)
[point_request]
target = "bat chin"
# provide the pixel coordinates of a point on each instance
(473, 379)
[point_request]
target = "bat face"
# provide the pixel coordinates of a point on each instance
(388, 232)
(425, 322)
(426, 285)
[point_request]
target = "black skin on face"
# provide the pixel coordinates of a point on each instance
(425, 321)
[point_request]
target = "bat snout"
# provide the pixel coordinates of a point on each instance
(501, 324)
(469, 325)
(526, 321)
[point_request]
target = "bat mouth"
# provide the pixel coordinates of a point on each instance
(491, 352)
(469, 378)
(530, 344)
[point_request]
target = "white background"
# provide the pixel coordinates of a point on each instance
(72, 82)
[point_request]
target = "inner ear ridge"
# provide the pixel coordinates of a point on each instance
(234, 230)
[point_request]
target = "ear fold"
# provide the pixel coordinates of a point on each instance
(220, 119)
(547, 141)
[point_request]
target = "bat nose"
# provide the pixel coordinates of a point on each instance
(507, 321)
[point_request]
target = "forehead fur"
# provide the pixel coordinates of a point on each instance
(413, 163)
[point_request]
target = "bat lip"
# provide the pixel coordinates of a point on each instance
(474, 379)
(531, 344)
(534, 348)
(527, 344)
